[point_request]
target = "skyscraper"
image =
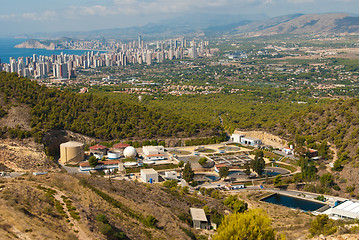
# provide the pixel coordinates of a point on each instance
(139, 41)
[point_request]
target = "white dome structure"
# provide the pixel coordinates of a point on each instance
(130, 152)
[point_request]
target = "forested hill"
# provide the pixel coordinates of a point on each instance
(95, 116)
(337, 122)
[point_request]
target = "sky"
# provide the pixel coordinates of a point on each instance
(32, 16)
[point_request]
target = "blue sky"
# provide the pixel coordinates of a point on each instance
(31, 16)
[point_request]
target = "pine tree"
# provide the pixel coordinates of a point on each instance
(188, 173)
(258, 164)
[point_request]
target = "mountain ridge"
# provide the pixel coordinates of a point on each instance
(219, 24)
(334, 23)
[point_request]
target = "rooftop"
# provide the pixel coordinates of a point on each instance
(87, 164)
(72, 144)
(250, 138)
(348, 209)
(198, 214)
(98, 146)
(121, 145)
(155, 155)
(148, 171)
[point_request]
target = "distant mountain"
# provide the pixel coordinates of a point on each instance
(189, 24)
(33, 43)
(217, 24)
(303, 24)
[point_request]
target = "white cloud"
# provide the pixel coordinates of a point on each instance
(300, 1)
(9, 16)
(48, 15)
(132, 7)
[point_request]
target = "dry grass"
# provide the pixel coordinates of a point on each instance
(41, 219)
(293, 223)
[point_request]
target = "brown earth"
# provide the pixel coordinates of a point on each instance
(27, 213)
(25, 155)
(267, 138)
(18, 114)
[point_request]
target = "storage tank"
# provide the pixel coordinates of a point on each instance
(113, 155)
(71, 152)
(130, 152)
(98, 155)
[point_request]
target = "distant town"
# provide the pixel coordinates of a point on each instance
(116, 54)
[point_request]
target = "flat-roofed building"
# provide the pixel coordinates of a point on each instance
(347, 209)
(149, 175)
(151, 150)
(251, 141)
(171, 175)
(155, 157)
(111, 164)
(199, 218)
(235, 137)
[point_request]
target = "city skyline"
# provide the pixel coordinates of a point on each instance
(26, 17)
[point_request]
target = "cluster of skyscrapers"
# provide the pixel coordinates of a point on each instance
(64, 66)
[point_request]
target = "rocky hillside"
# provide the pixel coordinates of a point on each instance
(304, 24)
(30, 208)
(37, 44)
(24, 156)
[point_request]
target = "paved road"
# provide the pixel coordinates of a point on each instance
(73, 170)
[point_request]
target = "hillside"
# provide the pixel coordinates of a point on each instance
(304, 24)
(29, 209)
(95, 116)
(37, 44)
(337, 124)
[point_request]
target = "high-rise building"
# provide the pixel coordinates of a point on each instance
(149, 58)
(64, 71)
(139, 41)
(13, 65)
(194, 50)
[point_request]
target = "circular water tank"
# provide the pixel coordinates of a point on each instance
(130, 152)
(98, 155)
(71, 152)
(112, 155)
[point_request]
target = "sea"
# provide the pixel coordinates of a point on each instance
(7, 50)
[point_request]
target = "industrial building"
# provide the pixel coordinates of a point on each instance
(240, 138)
(347, 209)
(199, 219)
(151, 150)
(288, 151)
(155, 157)
(120, 147)
(71, 152)
(153, 153)
(235, 137)
(149, 175)
(99, 149)
(251, 141)
(171, 175)
(113, 155)
(111, 164)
